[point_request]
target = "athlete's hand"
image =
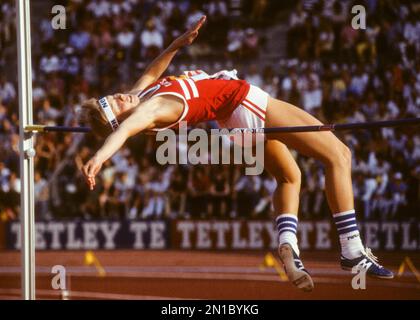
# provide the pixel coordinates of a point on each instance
(90, 170)
(188, 37)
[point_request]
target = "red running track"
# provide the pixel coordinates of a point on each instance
(199, 275)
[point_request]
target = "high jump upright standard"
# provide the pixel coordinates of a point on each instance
(27, 152)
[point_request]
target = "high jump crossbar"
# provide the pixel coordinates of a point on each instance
(325, 127)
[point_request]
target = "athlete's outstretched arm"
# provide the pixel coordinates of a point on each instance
(158, 66)
(141, 119)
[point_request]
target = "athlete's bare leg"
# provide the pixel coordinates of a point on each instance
(336, 157)
(323, 146)
(280, 163)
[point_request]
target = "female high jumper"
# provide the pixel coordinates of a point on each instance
(155, 104)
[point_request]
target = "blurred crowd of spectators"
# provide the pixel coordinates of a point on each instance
(361, 75)
(333, 71)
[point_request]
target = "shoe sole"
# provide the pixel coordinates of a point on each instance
(371, 275)
(299, 278)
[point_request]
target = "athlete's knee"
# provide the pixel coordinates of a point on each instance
(292, 176)
(341, 156)
(347, 155)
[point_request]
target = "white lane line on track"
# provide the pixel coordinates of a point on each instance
(15, 294)
(192, 269)
(232, 277)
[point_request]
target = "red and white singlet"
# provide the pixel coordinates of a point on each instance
(233, 103)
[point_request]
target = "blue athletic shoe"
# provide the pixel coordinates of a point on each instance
(368, 262)
(294, 268)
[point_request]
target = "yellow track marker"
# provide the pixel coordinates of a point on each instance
(407, 261)
(91, 259)
(271, 262)
(3, 216)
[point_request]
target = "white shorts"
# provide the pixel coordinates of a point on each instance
(250, 113)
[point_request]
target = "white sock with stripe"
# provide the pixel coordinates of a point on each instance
(287, 228)
(348, 232)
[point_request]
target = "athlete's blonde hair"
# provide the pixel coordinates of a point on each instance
(92, 116)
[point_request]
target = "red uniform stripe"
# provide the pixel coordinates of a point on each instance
(254, 112)
(255, 106)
